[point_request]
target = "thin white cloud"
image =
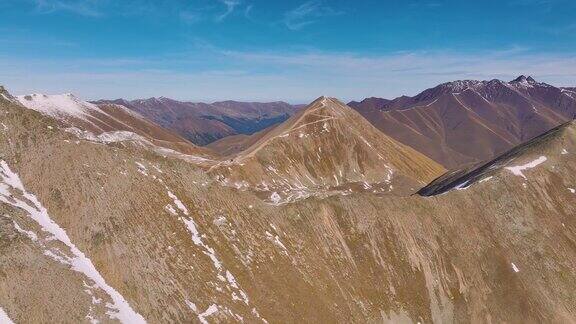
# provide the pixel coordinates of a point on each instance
(483, 64)
(82, 7)
(307, 13)
(295, 77)
(230, 7)
(248, 11)
(191, 17)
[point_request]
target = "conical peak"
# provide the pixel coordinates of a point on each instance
(524, 79)
(327, 101)
(323, 100)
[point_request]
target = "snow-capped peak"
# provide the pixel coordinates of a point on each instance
(460, 85)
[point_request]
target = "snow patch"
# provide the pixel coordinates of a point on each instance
(212, 309)
(58, 106)
(515, 268)
(170, 210)
(485, 179)
(276, 240)
(178, 203)
(517, 170)
(4, 319)
(125, 136)
(192, 306)
(31, 235)
(142, 168)
(462, 186)
(6, 97)
(275, 197)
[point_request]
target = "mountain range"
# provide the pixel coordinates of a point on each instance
(455, 205)
(462, 122)
(203, 123)
(455, 123)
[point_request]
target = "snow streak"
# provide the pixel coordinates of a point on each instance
(10, 183)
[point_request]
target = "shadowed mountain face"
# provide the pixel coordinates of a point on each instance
(134, 234)
(466, 177)
(463, 122)
(203, 123)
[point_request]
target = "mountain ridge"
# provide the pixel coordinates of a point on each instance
(446, 121)
(203, 123)
(107, 122)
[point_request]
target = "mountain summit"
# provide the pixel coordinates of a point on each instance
(524, 79)
(327, 146)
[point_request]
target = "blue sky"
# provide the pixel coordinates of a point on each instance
(204, 50)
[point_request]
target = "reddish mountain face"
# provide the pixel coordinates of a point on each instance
(463, 122)
(203, 123)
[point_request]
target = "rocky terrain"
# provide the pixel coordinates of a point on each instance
(136, 233)
(462, 122)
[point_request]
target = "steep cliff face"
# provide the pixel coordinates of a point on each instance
(135, 235)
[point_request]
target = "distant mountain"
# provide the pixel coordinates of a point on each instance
(326, 146)
(570, 92)
(203, 123)
(463, 122)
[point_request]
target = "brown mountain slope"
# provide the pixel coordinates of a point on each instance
(107, 122)
(462, 122)
(230, 146)
(170, 245)
(203, 123)
(327, 145)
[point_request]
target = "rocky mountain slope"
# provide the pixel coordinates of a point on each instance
(106, 122)
(203, 123)
(463, 122)
(134, 235)
(326, 146)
